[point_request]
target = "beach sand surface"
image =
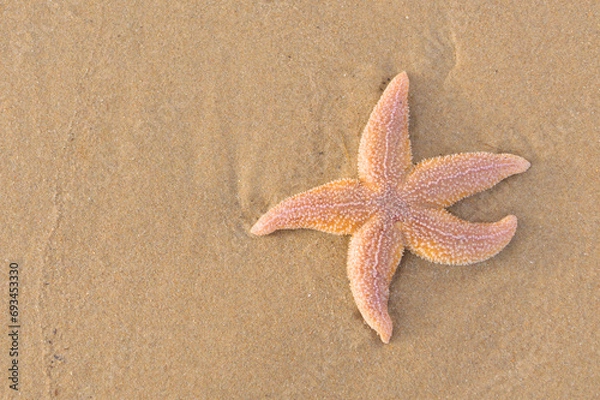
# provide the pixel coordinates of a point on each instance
(140, 142)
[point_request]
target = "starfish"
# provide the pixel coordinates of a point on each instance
(395, 205)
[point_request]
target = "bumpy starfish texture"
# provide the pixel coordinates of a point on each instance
(395, 205)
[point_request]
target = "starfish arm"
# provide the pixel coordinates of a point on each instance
(384, 153)
(440, 237)
(442, 181)
(373, 256)
(337, 207)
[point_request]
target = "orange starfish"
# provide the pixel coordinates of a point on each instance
(395, 204)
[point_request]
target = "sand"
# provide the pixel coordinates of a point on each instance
(141, 141)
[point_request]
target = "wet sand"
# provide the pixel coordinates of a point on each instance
(141, 142)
